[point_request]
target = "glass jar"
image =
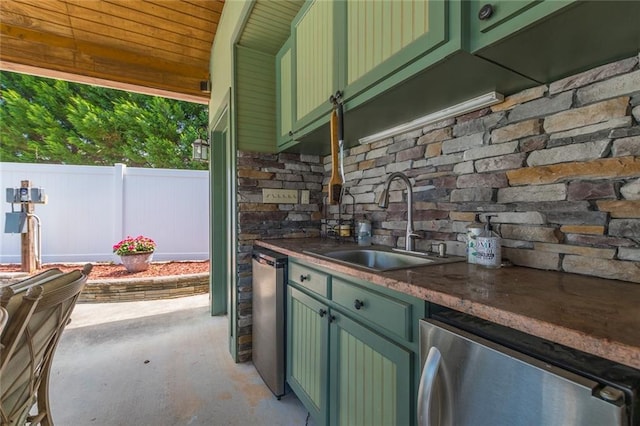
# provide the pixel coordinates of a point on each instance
(363, 232)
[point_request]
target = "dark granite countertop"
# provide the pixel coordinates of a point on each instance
(594, 315)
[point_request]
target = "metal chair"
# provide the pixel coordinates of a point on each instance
(40, 278)
(4, 315)
(38, 313)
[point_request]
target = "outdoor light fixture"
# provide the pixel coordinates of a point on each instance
(200, 150)
(465, 107)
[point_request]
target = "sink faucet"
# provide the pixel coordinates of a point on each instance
(384, 203)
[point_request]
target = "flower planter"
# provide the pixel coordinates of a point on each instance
(136, 262)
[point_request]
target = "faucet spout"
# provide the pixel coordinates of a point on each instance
(384, 203)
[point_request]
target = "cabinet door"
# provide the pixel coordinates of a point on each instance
(491, 21)
(383, 36)
(316, 38)
(284, 94)
(371, 380)
(307, 351)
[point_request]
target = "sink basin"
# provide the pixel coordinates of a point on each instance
(382, 260)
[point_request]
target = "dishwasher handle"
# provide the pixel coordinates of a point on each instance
(427, 385)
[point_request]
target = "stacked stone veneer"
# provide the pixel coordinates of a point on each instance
(257, 220)
(558, 165)
(155, 288)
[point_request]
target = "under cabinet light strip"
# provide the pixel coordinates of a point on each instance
(465, 107)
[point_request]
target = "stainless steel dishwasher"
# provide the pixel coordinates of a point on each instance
(268, 352)
(478, 373)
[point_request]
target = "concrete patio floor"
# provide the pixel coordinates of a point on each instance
(160, 362)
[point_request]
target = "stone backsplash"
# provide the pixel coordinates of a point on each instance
(257, 220)
(557, 166)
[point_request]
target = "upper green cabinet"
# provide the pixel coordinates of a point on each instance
(491, 21)
(551, 39)
(284, 95)
(317, 38)
(358, 48)
(397, 60)
(383, 36)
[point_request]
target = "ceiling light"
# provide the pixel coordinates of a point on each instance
(465, 107)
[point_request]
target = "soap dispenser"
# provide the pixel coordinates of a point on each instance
(474, 230)
(489, 248)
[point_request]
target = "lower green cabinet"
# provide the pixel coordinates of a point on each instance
(370, 377)
(307, 355)
(342, 366)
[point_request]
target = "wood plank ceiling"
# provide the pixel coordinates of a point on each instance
(156, 47)
(269, 25)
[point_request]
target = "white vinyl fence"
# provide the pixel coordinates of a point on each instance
(91, 208)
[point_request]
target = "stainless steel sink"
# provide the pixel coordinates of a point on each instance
(382, 259)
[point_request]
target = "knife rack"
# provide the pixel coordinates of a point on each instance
(333, 222)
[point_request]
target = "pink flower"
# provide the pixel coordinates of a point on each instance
(130, 245)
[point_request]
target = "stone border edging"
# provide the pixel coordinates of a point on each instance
(148, 288)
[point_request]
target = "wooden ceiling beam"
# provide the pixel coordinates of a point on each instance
(61, 56)
(205, 8)
(153, 11)
(147, 58)
(35, 19)
(139, 42)
(120, 18)
(109, 83)
(67, 60)
(158, 47)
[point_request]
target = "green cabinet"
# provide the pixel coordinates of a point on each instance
(307, 355)
(490, 21)
(370, 377)
(382, 37)
(351, 350)
(550, 39)
(353, 47)
(395, 61)
(317, 39)
(284, 95)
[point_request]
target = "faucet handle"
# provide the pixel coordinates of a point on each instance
(409, 237)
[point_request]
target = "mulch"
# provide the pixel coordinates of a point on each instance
(112, 270)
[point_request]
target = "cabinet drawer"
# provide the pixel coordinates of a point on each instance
(309, 278)
(387, 312)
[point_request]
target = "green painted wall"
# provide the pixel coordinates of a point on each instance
(221, 64)
(248, 30)
(256, 100)
(222, 166)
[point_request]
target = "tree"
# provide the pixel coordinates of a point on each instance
(54, 121)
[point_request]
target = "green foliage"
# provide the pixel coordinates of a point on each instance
(54, 121)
